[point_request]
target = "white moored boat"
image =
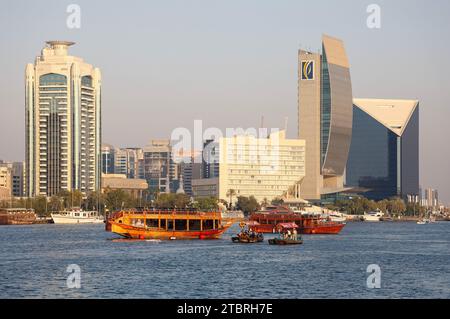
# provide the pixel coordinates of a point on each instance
(374, 216)
(337, 217)
(76, 217)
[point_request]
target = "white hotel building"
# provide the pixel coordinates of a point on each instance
(265, 168)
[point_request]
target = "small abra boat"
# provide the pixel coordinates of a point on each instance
(247, 235)
(287, 235)
(167, 225)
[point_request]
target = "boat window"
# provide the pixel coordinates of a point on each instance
(153, 223)
(163, 223)
(194, 224)
(170, 224)
(137, 222)
(208, 224)
(77, 214)
(180, 224)
(84, 214)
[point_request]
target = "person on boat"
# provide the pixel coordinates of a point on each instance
(294, 234)
(289, 235)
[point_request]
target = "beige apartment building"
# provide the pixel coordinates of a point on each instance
(63, 125)
(5, 183)
(134, 186)
(262, 167)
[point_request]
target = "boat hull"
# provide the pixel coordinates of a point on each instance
(133, 232)
(246, 240)
(325, 229)
(332, 229)
(372, 219)
(276, 241)
(74, 220)
(17, 218)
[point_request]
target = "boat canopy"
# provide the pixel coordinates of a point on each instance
(287, 226)
(252, 223)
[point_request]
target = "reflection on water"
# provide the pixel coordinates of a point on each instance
(414, 263)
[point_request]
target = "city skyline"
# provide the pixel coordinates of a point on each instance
(259, 74)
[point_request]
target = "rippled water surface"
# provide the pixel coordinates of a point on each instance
(414, 261)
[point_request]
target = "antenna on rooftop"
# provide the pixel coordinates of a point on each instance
(286, 123)
(262, 121)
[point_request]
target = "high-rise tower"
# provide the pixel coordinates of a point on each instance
(63, 123)
(325, 117)
(384, 153)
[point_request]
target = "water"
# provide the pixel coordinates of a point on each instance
(414, 261)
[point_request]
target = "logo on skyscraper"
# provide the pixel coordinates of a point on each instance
(307, 70)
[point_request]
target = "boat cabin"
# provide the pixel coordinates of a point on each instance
(172, 220)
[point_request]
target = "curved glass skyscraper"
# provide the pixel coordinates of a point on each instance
(325, 117)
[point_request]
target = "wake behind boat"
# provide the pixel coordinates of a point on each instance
(77, 216)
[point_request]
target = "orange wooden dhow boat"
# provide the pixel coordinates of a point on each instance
(159, 224)
(308, 223)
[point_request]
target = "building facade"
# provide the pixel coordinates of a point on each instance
(128, 161)
(15, 171)
(108, 159)
(63, 123)
(190, 171)
(431, 199)
(160, 171)
(133, 186)
(5, 183)
(265, 168)
(384, 152)
(206, 187)
(325, 117)
(210, 159)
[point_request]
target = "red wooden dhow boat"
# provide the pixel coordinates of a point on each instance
(308, 223)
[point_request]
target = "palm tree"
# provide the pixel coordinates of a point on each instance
(265, 202)
(231, 193)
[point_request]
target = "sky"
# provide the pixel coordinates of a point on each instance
(228, 63)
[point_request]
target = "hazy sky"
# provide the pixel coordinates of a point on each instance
(167, 63)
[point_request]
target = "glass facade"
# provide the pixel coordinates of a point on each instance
(210, 159)
(53, 134)
(381, 162)
(373, 157)
(410, 156)
(325, 108)
(108, 159)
